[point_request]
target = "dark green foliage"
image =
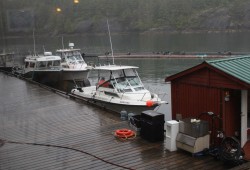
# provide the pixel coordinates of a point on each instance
(132, 15)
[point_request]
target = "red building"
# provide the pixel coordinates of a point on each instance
(218, 87)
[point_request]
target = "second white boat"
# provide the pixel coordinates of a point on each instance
(73, 65)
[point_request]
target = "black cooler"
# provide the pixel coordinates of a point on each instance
(152, 126)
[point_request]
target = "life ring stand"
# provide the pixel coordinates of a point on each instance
(124, 134)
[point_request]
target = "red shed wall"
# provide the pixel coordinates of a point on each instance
(204, 91)
(211, 78)
(191, 100)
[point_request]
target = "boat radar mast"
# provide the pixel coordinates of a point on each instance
(110, 40)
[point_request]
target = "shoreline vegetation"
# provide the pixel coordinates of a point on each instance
(171, 55)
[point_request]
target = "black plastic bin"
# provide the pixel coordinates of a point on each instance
(136, 121)
(152, 126)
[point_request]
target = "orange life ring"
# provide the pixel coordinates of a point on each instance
(124, 133)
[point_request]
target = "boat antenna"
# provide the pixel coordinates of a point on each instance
(110, 40)
(43, 49)
(34, 42)
(62, 43)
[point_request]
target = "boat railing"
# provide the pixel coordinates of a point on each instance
(135, 94)
(161, 96)
(49, 68)
(158, 98)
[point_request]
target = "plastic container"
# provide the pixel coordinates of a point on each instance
(194, 129)
(124, 115)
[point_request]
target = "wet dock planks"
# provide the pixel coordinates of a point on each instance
(46, 130)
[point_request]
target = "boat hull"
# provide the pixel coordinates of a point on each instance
(117, 107)
(49, 78)
(63, 80)
(75, 75)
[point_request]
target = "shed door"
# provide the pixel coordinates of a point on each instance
(232, 112)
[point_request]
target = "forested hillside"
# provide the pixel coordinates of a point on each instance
(89, 16)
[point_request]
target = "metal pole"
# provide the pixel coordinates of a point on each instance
(110, 40)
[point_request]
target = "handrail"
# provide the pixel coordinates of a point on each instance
(136, 93)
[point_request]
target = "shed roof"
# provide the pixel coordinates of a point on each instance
(238, 67)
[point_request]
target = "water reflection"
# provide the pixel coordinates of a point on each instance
(134, 43)
(154, 71)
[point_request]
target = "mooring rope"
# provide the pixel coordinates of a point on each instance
(2, 142)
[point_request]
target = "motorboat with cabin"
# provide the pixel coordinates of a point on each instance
(118, 88)
(45, 69)
(73, 65)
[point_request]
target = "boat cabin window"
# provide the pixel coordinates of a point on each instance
(124, 73)
(78, 57)
(71, 58)
(26, 64)
(41, 64)
(74, 59)
(134, 81)
(50, 63)
(56, 63)
(1, 59)
(103, 83)
(127, 80)
(118, 73)
(130, 72)
(32, 65)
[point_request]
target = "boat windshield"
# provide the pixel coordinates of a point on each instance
(128, 84)
(71, 57)
(127, 81)
(48, 64)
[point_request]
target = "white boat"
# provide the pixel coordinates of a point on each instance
(45, 69)
(73, 65)
(119, 88)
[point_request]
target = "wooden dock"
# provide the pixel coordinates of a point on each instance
(42, 130)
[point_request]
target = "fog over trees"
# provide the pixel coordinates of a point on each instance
(18, 17)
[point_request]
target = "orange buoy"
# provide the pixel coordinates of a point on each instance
(124, 133)
(149, 103)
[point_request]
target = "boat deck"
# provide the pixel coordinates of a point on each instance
(40, 129)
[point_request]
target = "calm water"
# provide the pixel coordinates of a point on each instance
(198, 42)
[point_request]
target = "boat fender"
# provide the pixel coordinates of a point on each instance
(149, 103)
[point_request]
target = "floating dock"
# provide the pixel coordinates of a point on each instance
(44, 129)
